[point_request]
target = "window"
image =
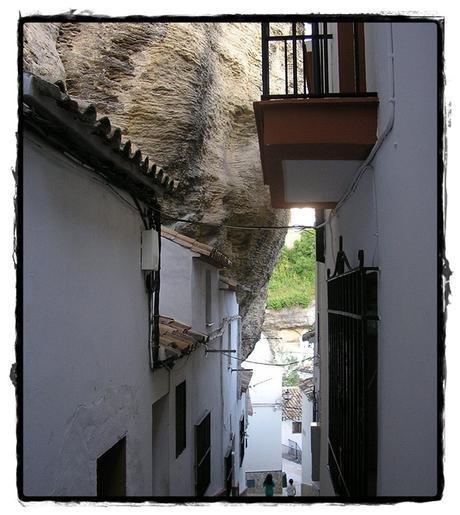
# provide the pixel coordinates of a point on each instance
(228, 473)
(203, 455)
(315, 406)
(180, 418)
(296, 427)
(251, 483)
(111, 471)
(242, 440)
(209, 313)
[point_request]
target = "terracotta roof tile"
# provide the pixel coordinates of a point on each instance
(292, 407)
(245, 379)
(306, 385)
(50, 110)
(211, 253)
(178, 338)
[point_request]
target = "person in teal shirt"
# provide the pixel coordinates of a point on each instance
(269, 485)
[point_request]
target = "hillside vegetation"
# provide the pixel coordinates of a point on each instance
(293, 279)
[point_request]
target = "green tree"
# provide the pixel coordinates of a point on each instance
(291, 375)
(293, 279)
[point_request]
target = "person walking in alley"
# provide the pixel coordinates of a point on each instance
(269, 485)
(290, 490)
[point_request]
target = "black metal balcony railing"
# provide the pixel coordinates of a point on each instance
(352, 313)
(306, 62)
(292, 452)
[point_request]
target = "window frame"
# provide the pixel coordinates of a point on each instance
(203, 470)
(181, 417)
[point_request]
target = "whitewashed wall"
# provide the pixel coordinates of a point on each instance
(393, 217)
(87, 381)
(211, 387)
(287, 434)
(233, 404)
(264, 429)
(86, 337)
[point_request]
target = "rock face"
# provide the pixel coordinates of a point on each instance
(40, 54)
(183, 93)
(290, 318)
(283, 328)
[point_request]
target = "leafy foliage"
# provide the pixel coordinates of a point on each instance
(291, 376)
(293, 280)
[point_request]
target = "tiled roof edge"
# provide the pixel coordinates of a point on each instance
(203, 249)
(45, 97)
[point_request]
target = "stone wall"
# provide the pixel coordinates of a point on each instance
(259, 478)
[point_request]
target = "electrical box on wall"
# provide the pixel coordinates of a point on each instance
(150, 251)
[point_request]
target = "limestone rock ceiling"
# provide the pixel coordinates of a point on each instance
(183, 93)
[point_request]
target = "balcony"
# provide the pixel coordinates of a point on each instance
(316, 122)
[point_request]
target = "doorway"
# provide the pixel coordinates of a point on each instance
(160, 447)
(111, 471)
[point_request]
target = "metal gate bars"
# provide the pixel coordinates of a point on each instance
(352, 322)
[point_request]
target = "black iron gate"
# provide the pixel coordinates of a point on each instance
(352, 321)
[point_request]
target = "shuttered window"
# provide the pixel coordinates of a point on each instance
(296, 427)
(242, 441)
(180, 418)
(203, 455)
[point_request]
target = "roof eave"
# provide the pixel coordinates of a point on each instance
(93, 141)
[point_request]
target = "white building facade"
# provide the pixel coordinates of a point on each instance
(399, 235)
(97, 421)
(371, 167)
(263, 454)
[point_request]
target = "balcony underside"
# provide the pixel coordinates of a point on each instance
(311, 148)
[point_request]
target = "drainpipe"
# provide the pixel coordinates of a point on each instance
(387, 129)
(156, 218)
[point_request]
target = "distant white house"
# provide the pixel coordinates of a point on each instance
(263, 454)
(292, 423)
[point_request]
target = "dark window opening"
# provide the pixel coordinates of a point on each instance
(296, 427)
(242, 440)
(111, 471)
(181, 426)
(203, 455)
(320, 235)
(228, 473)
(315, 406)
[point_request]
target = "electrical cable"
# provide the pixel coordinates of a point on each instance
(231, 226)
(134, 208)
(267, 364)
(192, 222)
(242, 227)
(388, 127)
